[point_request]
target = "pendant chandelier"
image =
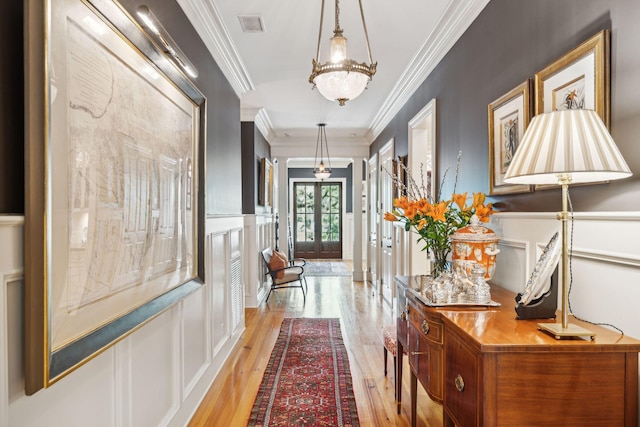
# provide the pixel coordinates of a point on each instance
(341, 79)
(320, 170)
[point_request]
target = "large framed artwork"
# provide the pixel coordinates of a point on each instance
(114, 174)
(578, 80)
(508, 118)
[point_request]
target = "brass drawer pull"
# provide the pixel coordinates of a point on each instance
(459, 382)
(425, 327)
(418, 353)
(403, 315)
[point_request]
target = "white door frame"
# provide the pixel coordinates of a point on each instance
(422, 150)
(386, 263)
(372, 219)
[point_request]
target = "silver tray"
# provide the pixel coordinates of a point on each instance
(426, 301)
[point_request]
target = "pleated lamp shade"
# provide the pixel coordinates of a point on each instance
(569, 144)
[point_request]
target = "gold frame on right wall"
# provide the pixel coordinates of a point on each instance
(580, 79)
(508, 118)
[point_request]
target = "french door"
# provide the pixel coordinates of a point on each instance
(317, 213)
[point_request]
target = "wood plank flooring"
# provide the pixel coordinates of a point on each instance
(362, 314)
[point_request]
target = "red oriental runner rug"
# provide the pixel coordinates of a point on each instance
(307, 381)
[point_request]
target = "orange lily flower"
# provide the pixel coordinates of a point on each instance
(460, 199)
(390, 217)
(422, 205)
(402, 202)
(421, 223)
(478, 200)
(483, 212)
(410, 212)
(439, 210)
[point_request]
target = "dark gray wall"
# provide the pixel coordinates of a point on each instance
(254, 148)
(509, 42)
(335, 173)
(223, 162)
(11, 108)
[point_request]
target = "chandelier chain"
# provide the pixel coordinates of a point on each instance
(338, 30)
(366, 34)
(320, 31)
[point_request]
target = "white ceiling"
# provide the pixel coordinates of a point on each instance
(269, 71)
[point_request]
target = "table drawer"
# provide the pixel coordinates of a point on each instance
(428, 324)
(460, 381)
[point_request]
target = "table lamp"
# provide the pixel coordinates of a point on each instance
(566, 147)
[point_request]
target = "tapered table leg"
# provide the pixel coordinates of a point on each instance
(414, 393)
(399, 360)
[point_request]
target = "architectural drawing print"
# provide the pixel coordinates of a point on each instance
(130, 153)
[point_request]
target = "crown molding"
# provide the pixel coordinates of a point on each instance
(206, 20)
(208, 23)
(260, 119)
(453, 23)
(263, 123)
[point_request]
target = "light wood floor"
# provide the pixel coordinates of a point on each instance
(362, 315)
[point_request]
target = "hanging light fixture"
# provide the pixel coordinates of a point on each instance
(341, 79)
(320, 170)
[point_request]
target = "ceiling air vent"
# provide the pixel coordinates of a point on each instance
(251, 23)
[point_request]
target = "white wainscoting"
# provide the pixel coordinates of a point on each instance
(605, 261)
(348, 235)
(258, 235)
(156, 376)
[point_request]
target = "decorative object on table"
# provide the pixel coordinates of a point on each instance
(475, 245)
(307, 378)
(115, 178)
(543, 307)
(539, 300)
(340, 78)
(509, 117)
(539, 283)
(566, 147)
(320, 170)
(577, 80)
(436, 221)
(456, 288)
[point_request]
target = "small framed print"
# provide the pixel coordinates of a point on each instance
(265, 196)
(509, 117)
(577, 80)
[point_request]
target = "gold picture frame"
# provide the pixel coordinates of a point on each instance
(578, 79)
(114, 172)
(265, 195)
(508, 118)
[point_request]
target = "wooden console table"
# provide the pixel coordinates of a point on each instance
(490, 369)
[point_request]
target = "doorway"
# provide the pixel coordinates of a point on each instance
(385, 192)
(317, 214)
(422, 157)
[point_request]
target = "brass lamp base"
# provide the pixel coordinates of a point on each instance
(570, 331)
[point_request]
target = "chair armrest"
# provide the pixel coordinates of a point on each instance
(301, 262)
(296, 269)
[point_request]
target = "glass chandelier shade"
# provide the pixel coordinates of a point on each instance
(320, 170)
(341, 79)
